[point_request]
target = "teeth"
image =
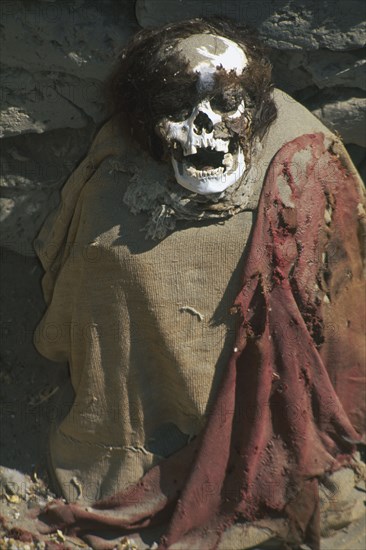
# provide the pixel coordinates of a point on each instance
(191, 170)
(204, 173)
(221, 145)
(228, 160)
(190, 150)
(205, 141)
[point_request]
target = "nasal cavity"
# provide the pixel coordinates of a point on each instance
(202, 122)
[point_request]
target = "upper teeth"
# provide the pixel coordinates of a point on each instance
(203, 142)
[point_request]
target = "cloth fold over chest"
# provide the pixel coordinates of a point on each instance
(290, 406)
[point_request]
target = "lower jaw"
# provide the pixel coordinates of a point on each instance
(205, 182)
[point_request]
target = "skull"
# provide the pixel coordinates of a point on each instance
(205, 152)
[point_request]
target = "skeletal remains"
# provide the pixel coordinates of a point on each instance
(205, 154)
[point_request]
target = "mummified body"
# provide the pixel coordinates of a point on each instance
(234, 412)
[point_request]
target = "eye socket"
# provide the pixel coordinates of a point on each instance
(177, 112)
(225, 103)
(181, 115)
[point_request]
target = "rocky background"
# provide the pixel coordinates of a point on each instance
(55, 56)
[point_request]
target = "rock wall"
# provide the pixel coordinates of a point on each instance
(55, 56)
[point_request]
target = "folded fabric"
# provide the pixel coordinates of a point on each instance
(289, 407)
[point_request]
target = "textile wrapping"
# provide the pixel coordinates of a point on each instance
(290, 406)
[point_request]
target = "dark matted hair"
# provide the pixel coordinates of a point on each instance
(149, 83)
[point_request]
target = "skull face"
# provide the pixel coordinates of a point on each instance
(208, 164)
(205, 152)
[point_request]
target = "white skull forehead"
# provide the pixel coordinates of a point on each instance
(205, 52)
(206, 160)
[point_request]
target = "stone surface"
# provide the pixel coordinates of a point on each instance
(54, 60)
(34, 167)
(56, 57)
(330, 69)
(344, 111)
(296, 70)
(36, 103)
(12, 482)
(295, 24)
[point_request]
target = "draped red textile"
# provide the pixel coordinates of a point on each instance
(290, 404)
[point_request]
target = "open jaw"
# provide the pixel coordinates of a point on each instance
(209, 170)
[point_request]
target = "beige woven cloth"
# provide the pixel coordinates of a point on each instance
(144, 325)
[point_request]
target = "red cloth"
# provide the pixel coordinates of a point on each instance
(290, 404)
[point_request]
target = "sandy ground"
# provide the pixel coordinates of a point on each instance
(29, 387)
